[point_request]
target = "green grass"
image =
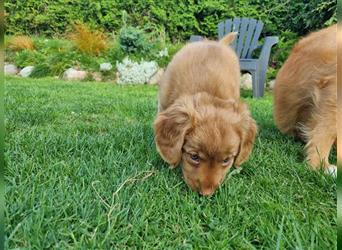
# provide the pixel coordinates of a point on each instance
(83, 173)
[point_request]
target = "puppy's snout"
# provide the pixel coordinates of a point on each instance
(208, 190)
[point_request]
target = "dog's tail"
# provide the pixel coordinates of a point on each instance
(228, 39)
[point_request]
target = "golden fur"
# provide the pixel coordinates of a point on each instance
(305, 95)
(339, 96)
(201, 115)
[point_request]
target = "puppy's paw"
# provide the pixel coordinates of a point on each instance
(331, 170)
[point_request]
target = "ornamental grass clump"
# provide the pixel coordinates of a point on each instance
(87, 40)
(19, 43)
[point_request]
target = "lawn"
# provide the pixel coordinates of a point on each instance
(83, 173)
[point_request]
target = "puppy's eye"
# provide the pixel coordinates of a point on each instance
(226, 161)
(194, 157)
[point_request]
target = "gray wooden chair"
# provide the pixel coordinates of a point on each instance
(247, 42)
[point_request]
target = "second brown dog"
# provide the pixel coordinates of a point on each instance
(305, 95)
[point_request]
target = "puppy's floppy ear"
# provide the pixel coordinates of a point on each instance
(170, 128)
(247, 129)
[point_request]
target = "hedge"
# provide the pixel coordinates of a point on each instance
(176, 19)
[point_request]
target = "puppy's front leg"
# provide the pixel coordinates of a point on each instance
(320, 141)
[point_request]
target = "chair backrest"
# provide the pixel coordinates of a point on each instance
(249, 31)
(195, 38)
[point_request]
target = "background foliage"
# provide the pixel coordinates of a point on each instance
(177, 19)
(142, 28)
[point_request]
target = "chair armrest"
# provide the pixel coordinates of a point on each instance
(271, 40)
(266, 48)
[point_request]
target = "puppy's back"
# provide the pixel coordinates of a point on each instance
(205, 66)
(307, 74)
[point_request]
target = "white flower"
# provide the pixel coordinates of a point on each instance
(163, 52)
(135, 73)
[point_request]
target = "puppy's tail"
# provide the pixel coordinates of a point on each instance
(228, 39)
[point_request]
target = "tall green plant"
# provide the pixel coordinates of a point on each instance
(132, 40)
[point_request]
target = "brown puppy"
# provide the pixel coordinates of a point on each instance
(202, 123)
(305, 95)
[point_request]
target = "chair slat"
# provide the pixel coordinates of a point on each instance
(242, 34)
(255, 38)
(228, 26)
(235, 28)
(221, 30)
(250, 32)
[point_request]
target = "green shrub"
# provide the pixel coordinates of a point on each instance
(280, 52)
(177, 19)
(115, 52)
(10, 56)
(28, 58)
(172, 49)
(132, 40)
(87, 62)
(60, 61)
(46, 45)
(271, 73)
(58, 54)
(53, 56)
(160, 22)
(41, 70)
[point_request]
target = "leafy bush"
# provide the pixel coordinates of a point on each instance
(28, 58)
(115, 52)
(54, 45)
(53, 56)
(171, 49)
(271, 74)
(18, 43)
(177, 19)
(287, 39)
(87, 40)
(60, 55)
(61, 61)
(41, 70)
(132, 40)
(298, 16)
(87, 62)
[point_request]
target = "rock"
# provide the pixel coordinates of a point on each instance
(155, 79)
(96, 76)
(10, 69)
(105, 66)
(246, 81)
(271, 84)
(26, 72)
(73, 74)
